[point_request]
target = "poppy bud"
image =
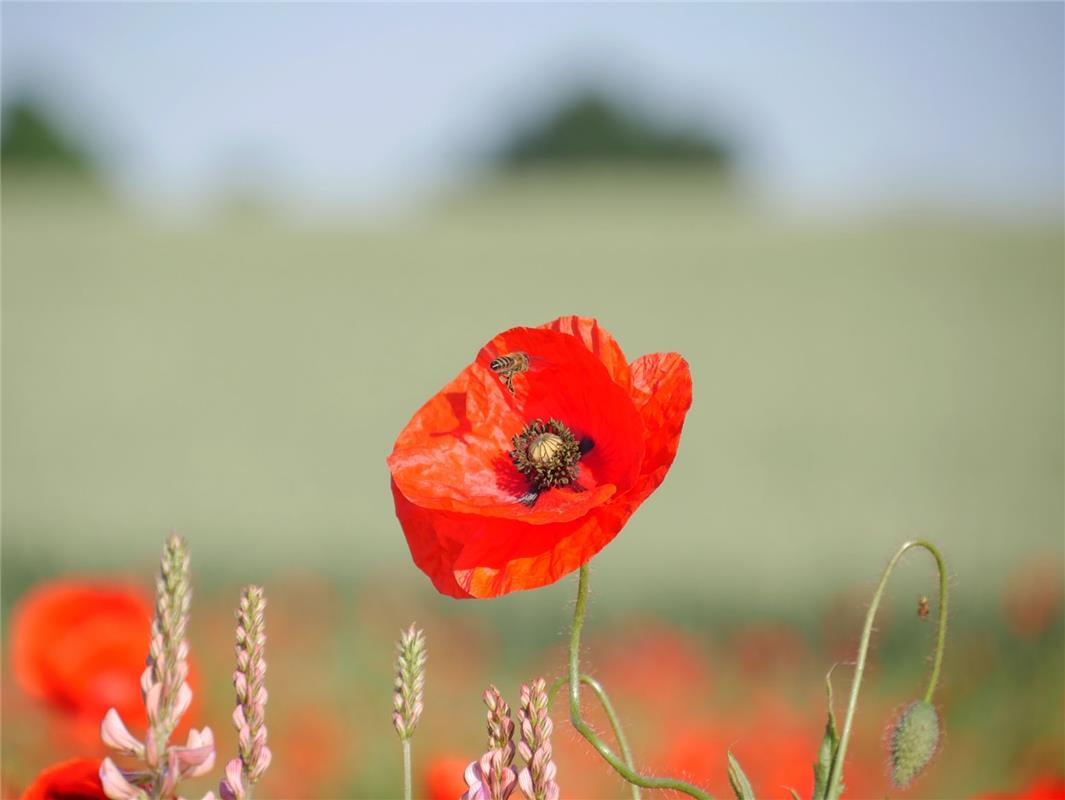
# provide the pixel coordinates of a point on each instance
(913, 739)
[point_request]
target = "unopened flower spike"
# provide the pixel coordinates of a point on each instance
(407, 699)
(166, 694)
(249, 679)
(408, 692)
(537, 777)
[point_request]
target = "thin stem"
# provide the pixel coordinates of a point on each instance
(586, 731)
(863, 650)
(941, 635)
(406, 770)
(615, 720)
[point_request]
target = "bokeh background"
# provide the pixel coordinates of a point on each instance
(243, 243)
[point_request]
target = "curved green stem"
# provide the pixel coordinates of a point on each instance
(863, 651)
(585, 730)
(611, 714)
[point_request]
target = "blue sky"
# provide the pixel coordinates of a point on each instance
(958, 106)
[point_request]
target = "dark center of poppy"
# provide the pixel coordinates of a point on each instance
(547, 454)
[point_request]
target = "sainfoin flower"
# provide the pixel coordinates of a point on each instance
(79, 646)
(491, 777)
(76, 779)
(532, 459)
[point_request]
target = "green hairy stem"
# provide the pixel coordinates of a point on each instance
(834, 787)
(623, 768)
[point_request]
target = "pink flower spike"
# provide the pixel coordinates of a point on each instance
(153, 702)
(197, 757)
(115, 785)
(262, 762)
(490, 778)
(476, 782)
(232, 785)
(171, 775)
(184, 700)
(249, 715)
(115, 734)
(146, 681)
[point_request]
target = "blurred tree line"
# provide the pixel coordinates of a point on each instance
(588, 128)
(592, 128)
(32, 141)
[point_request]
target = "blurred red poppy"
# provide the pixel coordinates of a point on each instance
(77, 779)
(533, 458)
(443, 777)
(1032, 596)
(81, 646)
(1046, 788)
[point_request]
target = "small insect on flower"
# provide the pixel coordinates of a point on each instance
(922, 607)
(509, 365)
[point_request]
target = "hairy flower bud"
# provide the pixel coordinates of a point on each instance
(913, 739)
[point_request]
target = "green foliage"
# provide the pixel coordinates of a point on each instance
(31, 139)
(736, 776)
(826, 753)
(593, 129)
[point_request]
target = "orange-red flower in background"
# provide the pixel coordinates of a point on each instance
(77, 779)
(443, 777)
(1046, 788)
(80, 647)
(1032, 596)
(490, 501)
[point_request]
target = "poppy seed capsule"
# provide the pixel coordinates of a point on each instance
(547, 454)
(544, 448)
(913, 740)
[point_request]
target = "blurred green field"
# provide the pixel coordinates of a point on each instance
(241, 378)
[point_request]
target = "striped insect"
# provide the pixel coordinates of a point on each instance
(509, 365)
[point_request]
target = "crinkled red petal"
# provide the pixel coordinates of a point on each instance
(602, 345)
(466, 555)
(662, 394)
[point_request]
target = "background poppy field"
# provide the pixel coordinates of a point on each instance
(863, 373)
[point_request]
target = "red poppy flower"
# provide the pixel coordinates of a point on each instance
(77, 779)
(81, 647)
(533, 458)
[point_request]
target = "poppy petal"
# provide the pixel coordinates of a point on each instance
(662, 394)
(602, 345)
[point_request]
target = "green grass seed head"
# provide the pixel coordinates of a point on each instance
(913, 739)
